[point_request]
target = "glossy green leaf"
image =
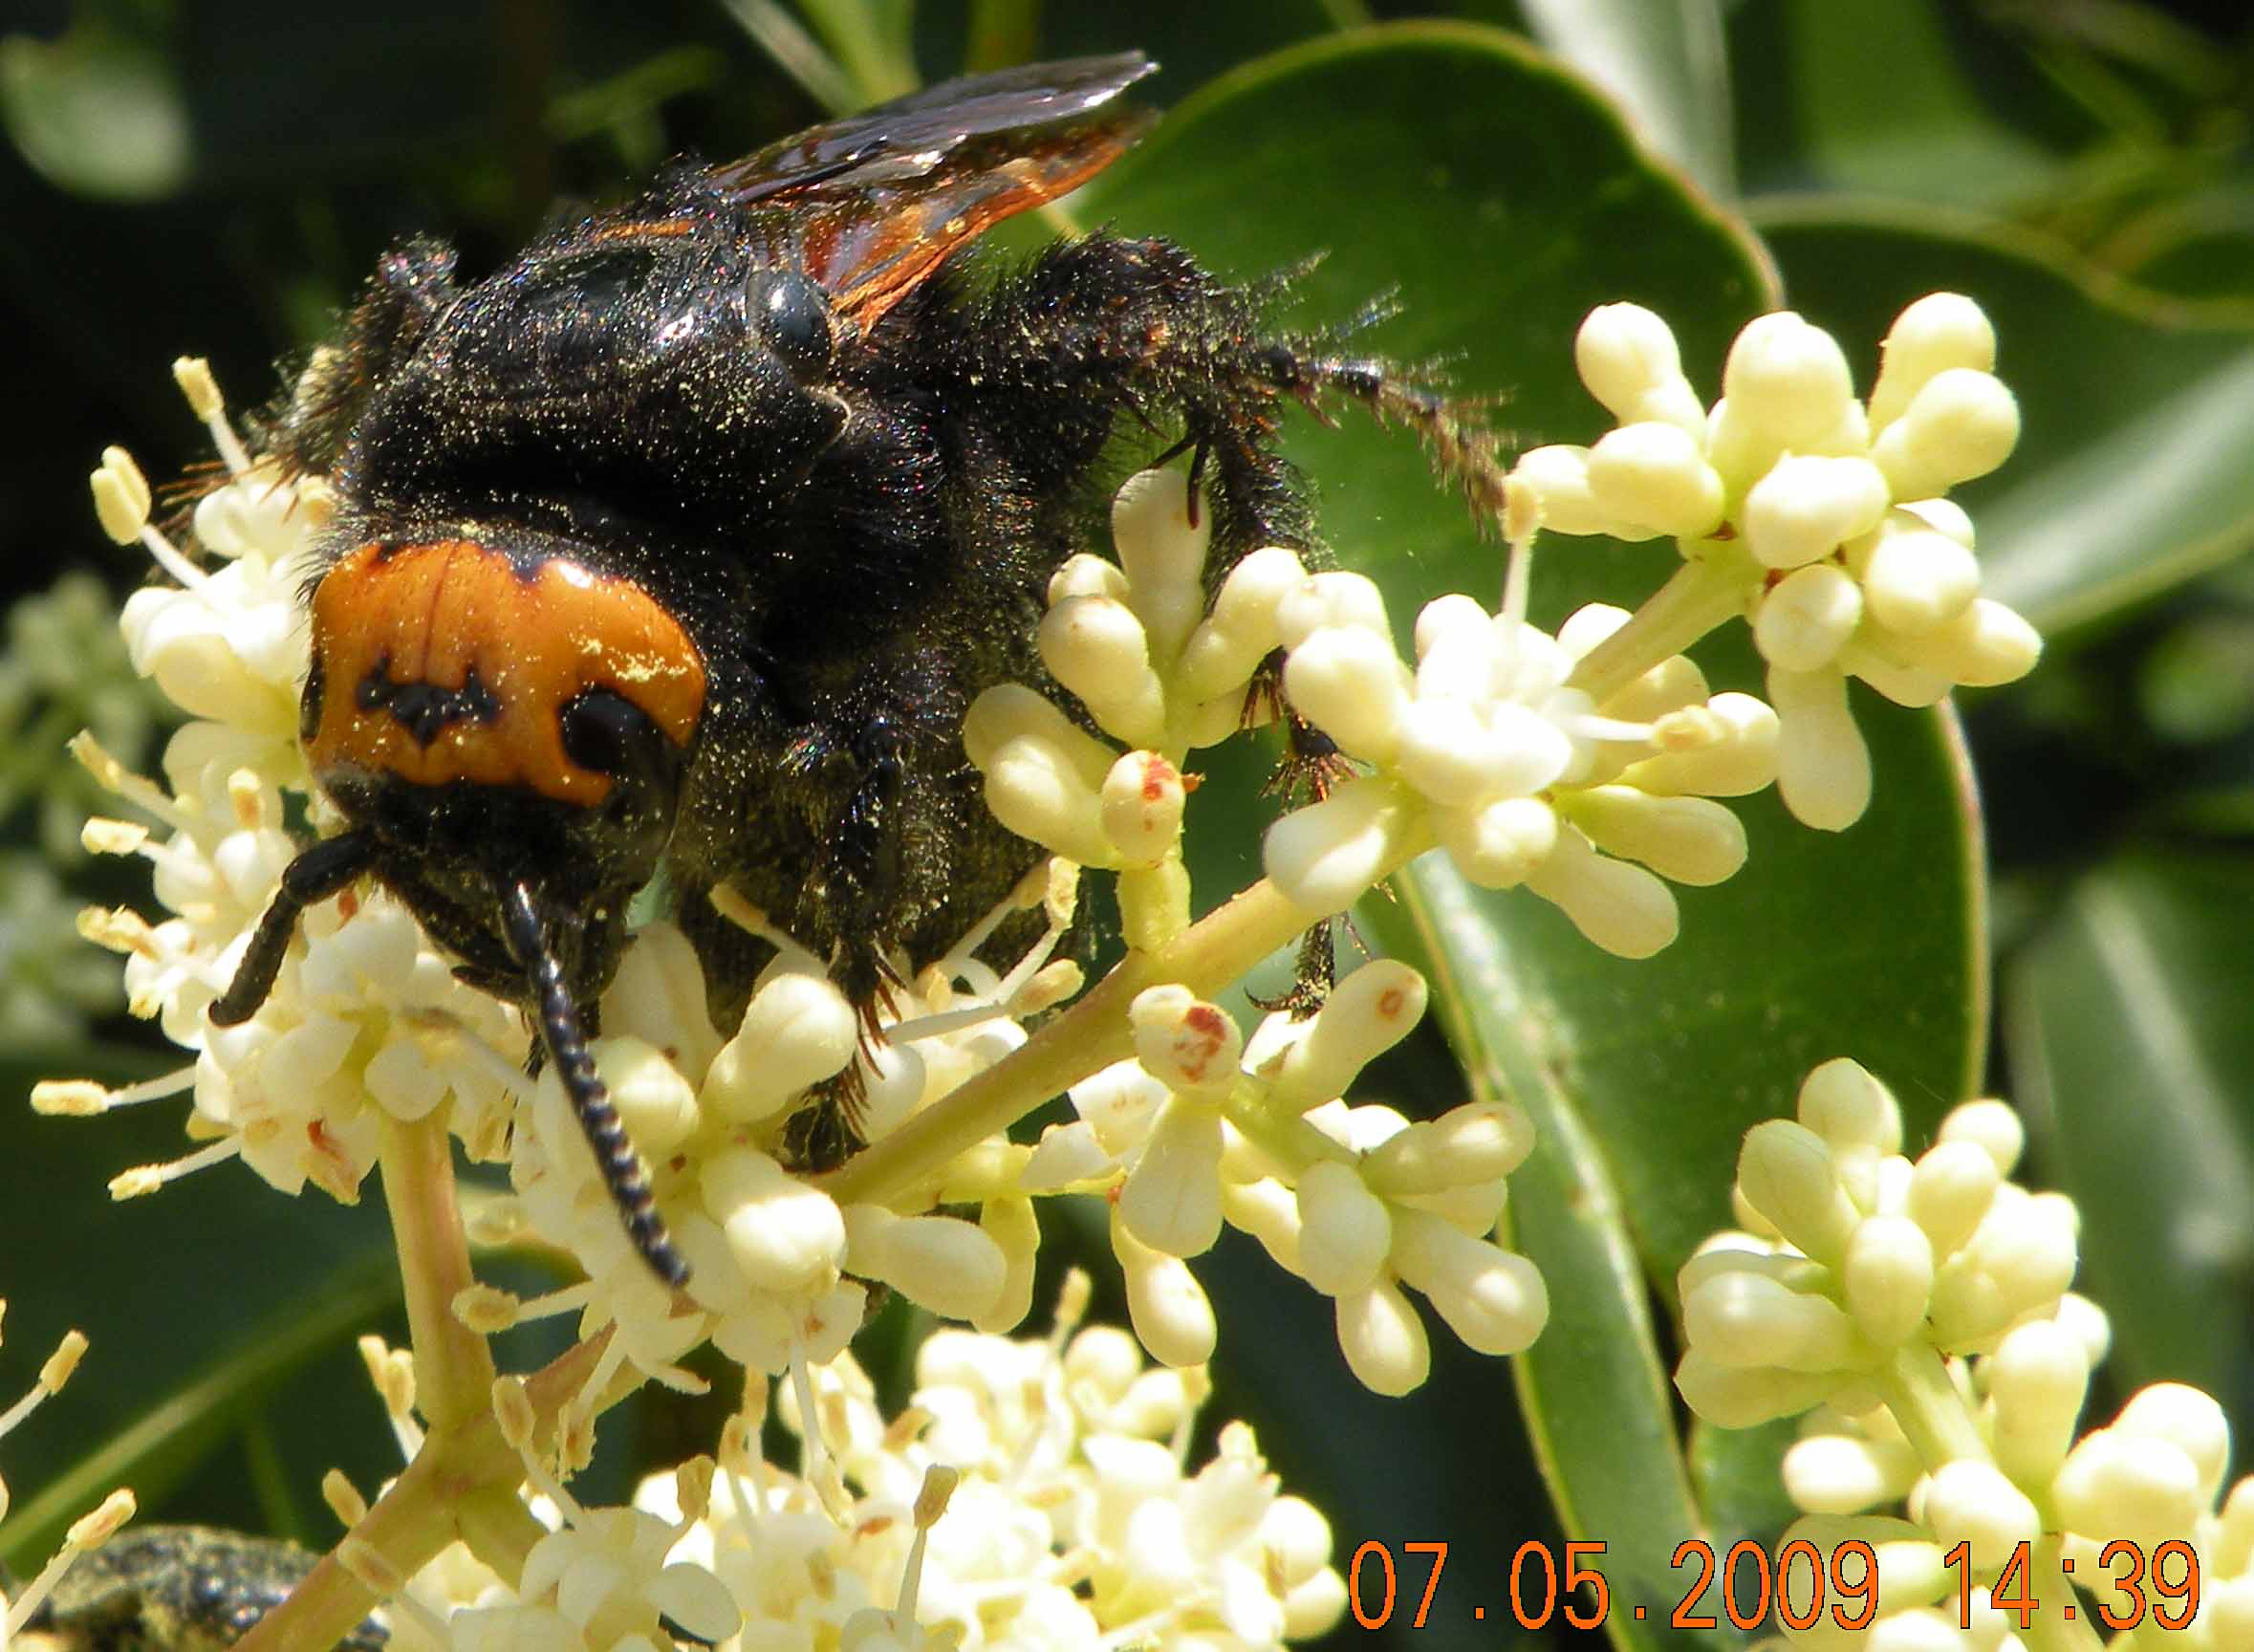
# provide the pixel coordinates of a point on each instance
(1664, 64)
(2130, 1053)
(141, 1279)
(1881, 97)
(2137, 415)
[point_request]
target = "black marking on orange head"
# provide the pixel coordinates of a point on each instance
(452, 660)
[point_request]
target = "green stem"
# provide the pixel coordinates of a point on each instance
(1001, 32)
(1702, 594)
(451, 1490)
(1917, 1389)
(453, 1367)
(1219, 948)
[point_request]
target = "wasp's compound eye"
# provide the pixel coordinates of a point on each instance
(609, 733)
(795, 321)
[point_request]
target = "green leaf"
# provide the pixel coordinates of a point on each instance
(2137, 415)
(167, 1382)
(1665, 65)
(2130, 1046)
(1883, 96)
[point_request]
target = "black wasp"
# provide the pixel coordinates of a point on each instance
(684, 541)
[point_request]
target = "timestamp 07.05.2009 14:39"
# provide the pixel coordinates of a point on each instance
(1798, 1586)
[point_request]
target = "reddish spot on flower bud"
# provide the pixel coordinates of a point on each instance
(349, 902)
(1154, 776)
(1204, 1033)
(1390, 1001)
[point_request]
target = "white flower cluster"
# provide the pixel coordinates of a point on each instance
(366, 1017)
(89, 1532)
(1918, 1312)
(1855, 1251)
(1203, 1126)
(1074, 1520)
(778, 1269)
(1484, 747)
(1819, 517)
(1133, 640)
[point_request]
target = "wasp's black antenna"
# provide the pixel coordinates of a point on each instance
(314, 876)
(621, 1168)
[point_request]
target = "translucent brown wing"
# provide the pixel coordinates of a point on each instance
(871, 205)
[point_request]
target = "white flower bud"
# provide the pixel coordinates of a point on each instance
(1344, 1229)
(1497, 845)
(784, 1234)
(1477, 1142)
(1916, 581)
(1118, 1104)
(1961, 424)
(1743, 1319)
(1886, 1275)
(1461, 755)
(1367, 1014)
(1043, 776)
(1842, 1101)
(1806, 618)
(1740, 1397)
(1621, 907)
(1096, 649)
(2117, 1485)
(1142, 802)
(2019, 1259)
(1655, 475)
(1269, 1211)
(1842, 1474)
(1951, 1187)
(1011, 1224)
(1558, 476)
(1992, 1127)
(1082, 574)
(1223, 652)
(1786, 1173)
(952, 1267)
(1985, 644)
(1065, 1154)
(1808, 505)
(1972, 1502)
(1685, 839)
(1383, 1340)
(797, 1030)
(1493, 1299)
(1166, 1304)
(1939, 332)
(1788, 379)
(1184, 1042)
(1172, 1199)
(1323, 857)
(1823, 767)
(2188, 1418)
(1735, 754)
(1348, 682)
(1329, 600)
(655, 1102)
(1163, 556)
(2036, 1379)
(1944, 516)
(1621, 351)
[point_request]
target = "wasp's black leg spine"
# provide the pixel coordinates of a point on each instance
(318, 873)
(560, 1030)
